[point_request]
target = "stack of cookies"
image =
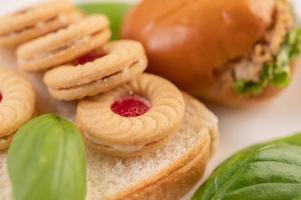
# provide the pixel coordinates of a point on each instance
(73, 50)
(121, 111)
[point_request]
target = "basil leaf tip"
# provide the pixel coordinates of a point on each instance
(267, 171)
(46, 161)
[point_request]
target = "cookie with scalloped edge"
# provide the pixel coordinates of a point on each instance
(96, 72)
(134, 118)
(64, 45)
(32, 22)
(17, 104)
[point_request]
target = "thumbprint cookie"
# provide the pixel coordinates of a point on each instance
(132, 119)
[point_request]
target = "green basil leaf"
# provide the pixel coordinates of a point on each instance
(115, 12)
(267, 171)
(46, 161)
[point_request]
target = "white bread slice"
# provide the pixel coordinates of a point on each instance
(166, 174)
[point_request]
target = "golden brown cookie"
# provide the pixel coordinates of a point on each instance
(33, 22)
(133, 119)
(97, 72)
(64, 45)
(17, 104)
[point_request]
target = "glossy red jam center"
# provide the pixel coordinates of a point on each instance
(130, 106)
(0, 97)
(90, 57)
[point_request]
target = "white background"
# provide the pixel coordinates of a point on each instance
(239, 128)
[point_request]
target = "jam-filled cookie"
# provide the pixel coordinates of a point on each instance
(132, 119)
(17, 104)
(36, 21)
(64, 45)
(98, 71)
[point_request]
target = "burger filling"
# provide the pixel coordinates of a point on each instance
(268, 63)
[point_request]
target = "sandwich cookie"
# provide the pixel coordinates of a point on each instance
(64, 45)
(133, 119)
(33, 22)
(17, 104)
(98, 71)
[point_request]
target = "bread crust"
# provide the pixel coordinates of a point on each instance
(175, 185)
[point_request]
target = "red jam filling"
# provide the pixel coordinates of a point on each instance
(1, 97)
(90, 57)
(130, 106)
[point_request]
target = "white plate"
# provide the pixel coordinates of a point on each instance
(239, 128)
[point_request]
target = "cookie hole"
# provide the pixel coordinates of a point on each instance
(89, 57)
(131, 106)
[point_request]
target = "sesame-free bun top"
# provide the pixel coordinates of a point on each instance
(188, 40)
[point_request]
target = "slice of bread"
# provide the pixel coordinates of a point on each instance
(167, 173)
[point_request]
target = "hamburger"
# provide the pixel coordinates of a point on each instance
(236, 53)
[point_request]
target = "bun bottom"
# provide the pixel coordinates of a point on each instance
(222, 93)
(230, 98)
